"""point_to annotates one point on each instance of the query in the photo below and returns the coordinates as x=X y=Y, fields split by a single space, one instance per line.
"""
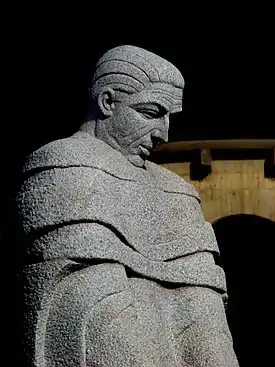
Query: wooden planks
x=233 y=187
x=202 y=153
x=179 y=146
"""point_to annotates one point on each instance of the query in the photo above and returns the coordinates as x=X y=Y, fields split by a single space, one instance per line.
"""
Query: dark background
x=228 y=74
x=228 y=70
x=227 y=66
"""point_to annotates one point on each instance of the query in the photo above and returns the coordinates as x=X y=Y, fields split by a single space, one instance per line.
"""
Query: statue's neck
x=88 y=127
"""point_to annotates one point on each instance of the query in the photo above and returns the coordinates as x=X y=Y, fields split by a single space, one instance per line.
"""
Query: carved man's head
x=135 y=91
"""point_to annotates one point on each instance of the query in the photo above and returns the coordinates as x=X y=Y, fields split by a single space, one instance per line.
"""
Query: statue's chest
x=147 y=216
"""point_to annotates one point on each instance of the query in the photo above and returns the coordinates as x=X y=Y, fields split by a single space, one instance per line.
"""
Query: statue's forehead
x=168 y=96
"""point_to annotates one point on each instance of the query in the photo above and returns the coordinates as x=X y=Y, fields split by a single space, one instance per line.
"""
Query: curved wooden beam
x=178 y=146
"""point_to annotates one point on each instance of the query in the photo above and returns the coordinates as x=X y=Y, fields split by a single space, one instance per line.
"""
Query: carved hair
x=131 y=69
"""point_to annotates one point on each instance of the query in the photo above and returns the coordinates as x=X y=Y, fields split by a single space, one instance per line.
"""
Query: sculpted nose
x=161 y=132
x=165 y=128
x=161 y=135
x=164 y=135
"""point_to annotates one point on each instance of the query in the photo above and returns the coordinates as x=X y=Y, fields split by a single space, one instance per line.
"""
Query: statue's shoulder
x=72 y=151
x=171 y=182
x=82 y=150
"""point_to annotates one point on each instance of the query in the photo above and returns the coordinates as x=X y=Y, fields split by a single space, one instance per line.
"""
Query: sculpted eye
x=149 y=113
x=152 y=111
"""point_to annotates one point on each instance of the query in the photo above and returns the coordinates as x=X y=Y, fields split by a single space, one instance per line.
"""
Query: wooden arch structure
x=232 y=176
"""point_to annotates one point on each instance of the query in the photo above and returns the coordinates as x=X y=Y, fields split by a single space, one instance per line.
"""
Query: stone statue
x=119 y=259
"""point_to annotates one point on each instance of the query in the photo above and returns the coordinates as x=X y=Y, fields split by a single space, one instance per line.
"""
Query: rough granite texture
x=120 y=268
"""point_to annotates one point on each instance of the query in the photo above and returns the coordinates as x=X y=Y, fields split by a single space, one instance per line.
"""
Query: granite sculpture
x=120 y=268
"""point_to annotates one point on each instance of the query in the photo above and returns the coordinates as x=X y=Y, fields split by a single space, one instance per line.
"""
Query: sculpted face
x=136 y=123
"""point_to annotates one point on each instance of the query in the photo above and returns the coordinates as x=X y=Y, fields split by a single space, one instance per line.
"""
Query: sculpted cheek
x=135 y=127
x=127 y=122
x=139 y=135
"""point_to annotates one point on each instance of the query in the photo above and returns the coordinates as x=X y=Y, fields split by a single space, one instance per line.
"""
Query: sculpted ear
x=105 y=101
